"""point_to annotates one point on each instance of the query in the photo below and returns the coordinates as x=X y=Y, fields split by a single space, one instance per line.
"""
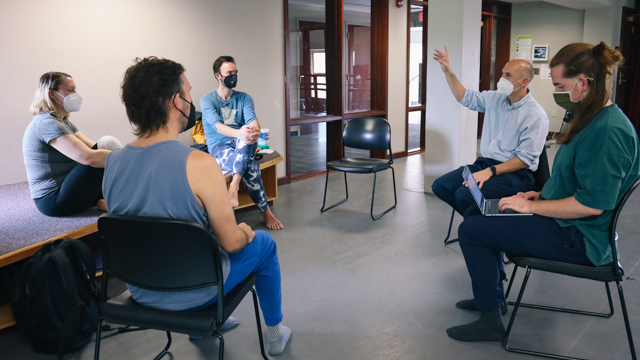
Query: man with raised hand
x=513 y=136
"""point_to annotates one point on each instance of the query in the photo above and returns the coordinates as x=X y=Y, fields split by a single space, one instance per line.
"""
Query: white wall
x=95 y=41
x=547 y=24
x=397 y=76
x=451 y=129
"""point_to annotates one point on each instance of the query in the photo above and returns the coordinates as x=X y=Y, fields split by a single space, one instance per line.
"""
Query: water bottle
x=263 y=141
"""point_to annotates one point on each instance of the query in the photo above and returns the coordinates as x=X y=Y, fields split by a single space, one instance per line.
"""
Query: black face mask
x=191 y=119
x=231 y=81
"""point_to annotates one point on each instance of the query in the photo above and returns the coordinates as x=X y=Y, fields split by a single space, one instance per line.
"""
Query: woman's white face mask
x=71 y=102
x=505 y=87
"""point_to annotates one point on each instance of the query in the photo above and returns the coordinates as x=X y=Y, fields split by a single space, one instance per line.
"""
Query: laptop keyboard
x=492 y=207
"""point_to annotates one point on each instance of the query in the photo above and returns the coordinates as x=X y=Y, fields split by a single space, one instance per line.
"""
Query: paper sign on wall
x=545 y=72
x=523 y=47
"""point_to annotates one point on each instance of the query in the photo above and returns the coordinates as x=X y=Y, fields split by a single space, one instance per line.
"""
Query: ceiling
x=574 y=4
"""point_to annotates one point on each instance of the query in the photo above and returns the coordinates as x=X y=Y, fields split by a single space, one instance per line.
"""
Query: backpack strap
x=88 y=263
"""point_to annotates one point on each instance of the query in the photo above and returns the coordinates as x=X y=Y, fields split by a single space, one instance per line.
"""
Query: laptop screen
x=473 y=186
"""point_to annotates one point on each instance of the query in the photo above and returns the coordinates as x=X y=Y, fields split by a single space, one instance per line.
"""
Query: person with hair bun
x=64 y=167
x=595 y=165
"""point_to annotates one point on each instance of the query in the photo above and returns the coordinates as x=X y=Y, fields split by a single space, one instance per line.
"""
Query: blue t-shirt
x=46 y=167
x=235 y=112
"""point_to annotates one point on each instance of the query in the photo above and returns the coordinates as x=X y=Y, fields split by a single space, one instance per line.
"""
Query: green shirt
x=597 y=167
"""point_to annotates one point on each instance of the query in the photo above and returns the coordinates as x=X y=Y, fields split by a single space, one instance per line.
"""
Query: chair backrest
x=542 y=174
x=369 y=133
x=160 y=254
x=613 y=237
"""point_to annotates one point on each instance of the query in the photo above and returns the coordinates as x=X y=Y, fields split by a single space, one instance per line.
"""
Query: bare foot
x=271 y=221
x=233 y=195
x=102 y=205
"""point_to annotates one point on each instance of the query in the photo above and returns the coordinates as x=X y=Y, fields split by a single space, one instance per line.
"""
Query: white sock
x=278 y=336
x=274 y=332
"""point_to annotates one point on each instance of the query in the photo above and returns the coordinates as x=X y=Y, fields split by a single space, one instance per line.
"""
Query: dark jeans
x=483 y=239
x=449 y=186
x=81 y=189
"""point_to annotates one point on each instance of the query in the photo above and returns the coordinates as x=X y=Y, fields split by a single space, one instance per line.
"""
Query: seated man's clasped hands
x=595 y=165
x=157 y=175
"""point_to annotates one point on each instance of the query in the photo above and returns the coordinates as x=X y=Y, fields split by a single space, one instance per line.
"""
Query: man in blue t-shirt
x=232 y=130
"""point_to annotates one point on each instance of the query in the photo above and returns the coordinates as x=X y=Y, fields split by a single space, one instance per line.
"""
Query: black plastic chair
x=606 y=273
x=368 y=133
x=540 y=177
x=166 y=255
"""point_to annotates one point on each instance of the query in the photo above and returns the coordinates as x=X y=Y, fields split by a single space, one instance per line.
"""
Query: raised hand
x=443 y=59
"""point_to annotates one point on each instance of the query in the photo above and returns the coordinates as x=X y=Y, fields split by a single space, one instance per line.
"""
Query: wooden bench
x=23 y=230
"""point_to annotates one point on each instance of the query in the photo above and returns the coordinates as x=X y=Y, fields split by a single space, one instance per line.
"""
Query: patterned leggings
x=237 y=157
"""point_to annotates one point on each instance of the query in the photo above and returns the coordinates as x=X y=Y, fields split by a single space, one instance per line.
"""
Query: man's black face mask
x=230 y=81
x=191 y=119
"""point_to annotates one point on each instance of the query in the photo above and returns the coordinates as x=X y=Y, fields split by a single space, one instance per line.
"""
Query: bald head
x=519 y=68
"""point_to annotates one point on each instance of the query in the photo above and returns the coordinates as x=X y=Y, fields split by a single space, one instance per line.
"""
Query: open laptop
x=487 y=207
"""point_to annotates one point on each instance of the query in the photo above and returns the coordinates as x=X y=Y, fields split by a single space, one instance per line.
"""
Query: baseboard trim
x=285 y=180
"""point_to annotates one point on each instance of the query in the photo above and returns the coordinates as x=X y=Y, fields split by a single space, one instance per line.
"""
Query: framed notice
x=540 y=52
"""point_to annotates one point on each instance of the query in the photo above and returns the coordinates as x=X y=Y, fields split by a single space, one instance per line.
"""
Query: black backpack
x=54 y=297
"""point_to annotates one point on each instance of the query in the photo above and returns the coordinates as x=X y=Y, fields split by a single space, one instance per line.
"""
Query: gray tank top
x=152 y=181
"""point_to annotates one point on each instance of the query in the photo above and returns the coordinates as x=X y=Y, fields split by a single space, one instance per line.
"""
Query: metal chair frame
x=194 y=230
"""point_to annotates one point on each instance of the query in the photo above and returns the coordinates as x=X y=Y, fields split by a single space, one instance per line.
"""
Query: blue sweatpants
x=260 y=257
x=237 y=157
x=449 y=188
x=483 y=239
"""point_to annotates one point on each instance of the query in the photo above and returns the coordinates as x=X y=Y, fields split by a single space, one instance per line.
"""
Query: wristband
x=493 y=170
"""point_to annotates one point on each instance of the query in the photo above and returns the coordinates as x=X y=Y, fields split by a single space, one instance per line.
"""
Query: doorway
x=417 y=58
x=628 y=77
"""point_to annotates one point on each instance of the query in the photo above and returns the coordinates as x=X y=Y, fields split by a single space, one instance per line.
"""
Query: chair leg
x=96 y=354
x=373 y=195
x=166 y=348
x=255 y=307
x=519 y=303
x=446 y=240
x=606 y=285
x=570 y=311
x=346 y=190
x=221 y=347
x=626 y=321
x=513 y=276
x=514 y=312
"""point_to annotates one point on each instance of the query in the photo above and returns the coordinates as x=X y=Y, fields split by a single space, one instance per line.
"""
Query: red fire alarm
x=399 y=3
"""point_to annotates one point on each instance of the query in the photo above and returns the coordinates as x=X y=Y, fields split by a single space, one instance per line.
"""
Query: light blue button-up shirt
x=509 y=130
